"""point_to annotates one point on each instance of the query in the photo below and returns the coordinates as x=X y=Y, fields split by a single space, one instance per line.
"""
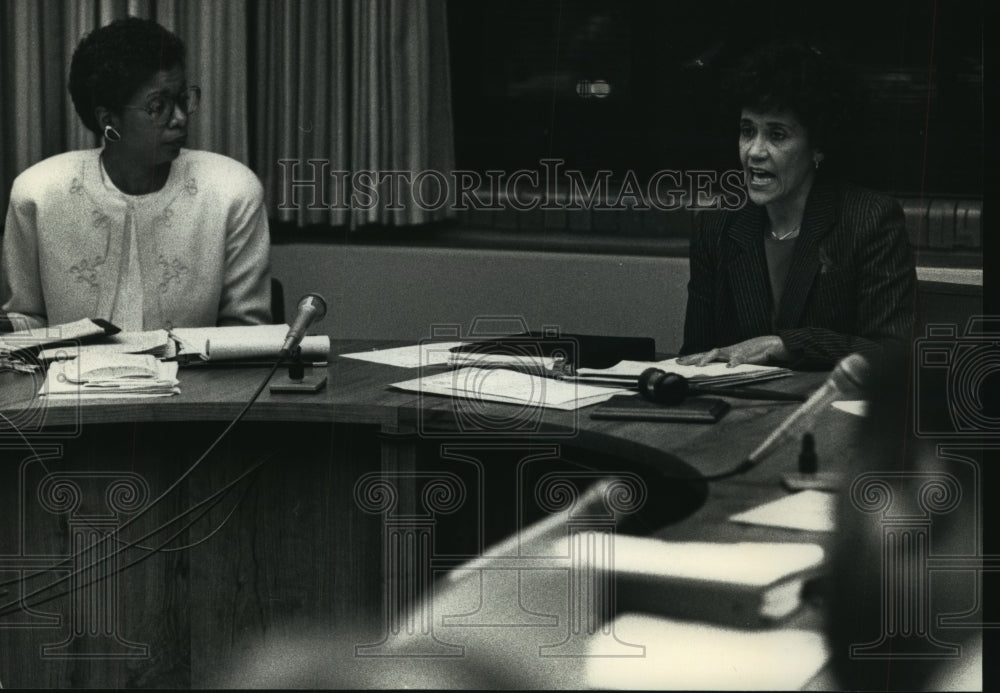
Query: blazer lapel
x=746 y=271
x=817 y=220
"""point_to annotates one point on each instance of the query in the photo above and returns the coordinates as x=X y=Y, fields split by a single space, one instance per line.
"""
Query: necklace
x=794 y=232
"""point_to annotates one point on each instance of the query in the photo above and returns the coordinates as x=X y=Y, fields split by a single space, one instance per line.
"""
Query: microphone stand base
x=309 y=383
x=820 y=481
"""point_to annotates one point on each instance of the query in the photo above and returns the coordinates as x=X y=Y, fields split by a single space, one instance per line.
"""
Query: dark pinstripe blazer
x=851 y=286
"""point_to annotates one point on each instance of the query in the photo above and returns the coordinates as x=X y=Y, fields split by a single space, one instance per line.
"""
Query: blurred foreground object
x=906 y=603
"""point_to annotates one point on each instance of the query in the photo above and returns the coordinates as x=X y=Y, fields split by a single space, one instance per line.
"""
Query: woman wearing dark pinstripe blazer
x=812 y=268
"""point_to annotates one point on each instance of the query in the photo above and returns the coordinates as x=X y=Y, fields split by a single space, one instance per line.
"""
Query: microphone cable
x=853 y=370
x=211 y=502
x=112 y=535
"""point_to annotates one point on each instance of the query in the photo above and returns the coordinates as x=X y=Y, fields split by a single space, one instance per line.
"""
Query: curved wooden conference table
x=358 y=393
x=288 y=550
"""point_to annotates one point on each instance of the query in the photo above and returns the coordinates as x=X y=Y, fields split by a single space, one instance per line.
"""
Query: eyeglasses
x=161 y=107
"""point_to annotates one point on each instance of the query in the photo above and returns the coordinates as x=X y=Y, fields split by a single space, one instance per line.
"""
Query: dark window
x=634 y=86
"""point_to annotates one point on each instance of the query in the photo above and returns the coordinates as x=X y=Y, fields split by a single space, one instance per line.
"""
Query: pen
x=560 y=369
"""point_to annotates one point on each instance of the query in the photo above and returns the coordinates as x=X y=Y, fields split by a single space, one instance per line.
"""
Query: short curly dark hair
x=113 y=62
x=823 y=92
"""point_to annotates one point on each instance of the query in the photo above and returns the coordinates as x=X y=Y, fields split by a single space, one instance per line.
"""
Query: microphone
x=852 y=371
x=657 y=385
x=311 y=308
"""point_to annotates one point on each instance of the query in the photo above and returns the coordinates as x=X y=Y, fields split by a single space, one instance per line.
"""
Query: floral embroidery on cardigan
x=163 y=218
x=86 y=270
x=99 y=219
x=173 y=271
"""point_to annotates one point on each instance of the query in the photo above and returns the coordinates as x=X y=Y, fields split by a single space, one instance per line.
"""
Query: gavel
x=660 y=386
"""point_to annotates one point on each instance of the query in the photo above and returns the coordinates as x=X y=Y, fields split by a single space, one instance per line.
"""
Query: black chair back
x=277 y=302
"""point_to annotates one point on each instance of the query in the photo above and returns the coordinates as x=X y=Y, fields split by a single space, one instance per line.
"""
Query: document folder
x=580 y=350
x=635 y=408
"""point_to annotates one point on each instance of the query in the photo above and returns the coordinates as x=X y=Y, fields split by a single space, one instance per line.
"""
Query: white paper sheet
x=511 y=387
x=425 y=354
x=684 y=655
x=858 y=407
x=739 y=563
x=808 y=510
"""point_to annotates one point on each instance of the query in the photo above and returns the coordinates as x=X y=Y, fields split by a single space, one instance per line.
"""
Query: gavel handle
x=747 y=393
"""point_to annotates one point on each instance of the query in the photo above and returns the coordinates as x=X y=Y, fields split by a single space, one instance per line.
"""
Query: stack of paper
x=111 y=375
x=155 y=342
x=717 y=373
x=681 y=655
x=741 y=584
x=521 y=362
x=512 y=387
x=83 y=329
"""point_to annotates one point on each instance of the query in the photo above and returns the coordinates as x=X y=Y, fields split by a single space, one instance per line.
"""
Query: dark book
x=636 y=408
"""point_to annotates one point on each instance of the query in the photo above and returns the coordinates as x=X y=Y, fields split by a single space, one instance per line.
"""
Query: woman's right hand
x=757 y=350
x=702 y=359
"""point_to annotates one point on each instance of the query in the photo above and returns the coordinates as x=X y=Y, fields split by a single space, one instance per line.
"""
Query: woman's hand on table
x=760 y=350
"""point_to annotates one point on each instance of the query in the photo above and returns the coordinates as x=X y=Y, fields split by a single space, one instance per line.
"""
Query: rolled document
x=246 y=342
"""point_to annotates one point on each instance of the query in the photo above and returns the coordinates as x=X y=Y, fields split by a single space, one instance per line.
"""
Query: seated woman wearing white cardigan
x=141 y=232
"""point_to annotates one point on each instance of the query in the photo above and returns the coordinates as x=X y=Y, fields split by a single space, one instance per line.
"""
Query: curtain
x=401 y=105
x=39 y=39
x=314 y=95
x=346 y=94
x=32 y=65
x=214 y=34
x=299 y=97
